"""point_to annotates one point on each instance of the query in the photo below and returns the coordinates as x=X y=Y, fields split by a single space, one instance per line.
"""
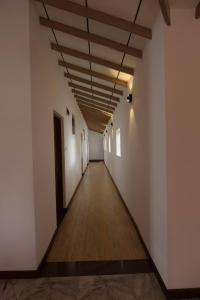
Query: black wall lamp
x=129 y=98
x=67 y=111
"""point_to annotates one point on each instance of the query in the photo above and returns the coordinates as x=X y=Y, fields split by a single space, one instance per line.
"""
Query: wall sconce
x=111 y=124
x=129 y=98
x=67 y=111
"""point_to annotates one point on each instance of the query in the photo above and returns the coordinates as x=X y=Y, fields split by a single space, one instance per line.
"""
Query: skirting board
x=169 y=293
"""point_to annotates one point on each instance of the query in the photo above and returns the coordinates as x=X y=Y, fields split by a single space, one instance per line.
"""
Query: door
x=82 y=153
x=58 y=167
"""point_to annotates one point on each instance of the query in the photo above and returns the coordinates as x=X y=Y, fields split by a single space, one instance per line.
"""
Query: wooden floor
x=97 y=226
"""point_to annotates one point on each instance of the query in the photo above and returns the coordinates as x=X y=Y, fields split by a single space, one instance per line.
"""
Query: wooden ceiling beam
x=95 y=125
x=93 y=73
x=102 y=101
x=80 y=102
x=94 y=59
x=94 y=121
x=92 y=83
x=165 y=9
x=99 y=16
x=197 y=11
x=83 y=88
x=88 y=117
x=91 y=117
x=97 y=114
x=107 y=107
x=91 y=37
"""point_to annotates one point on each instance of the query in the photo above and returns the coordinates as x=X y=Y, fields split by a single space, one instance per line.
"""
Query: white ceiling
x=125 y=9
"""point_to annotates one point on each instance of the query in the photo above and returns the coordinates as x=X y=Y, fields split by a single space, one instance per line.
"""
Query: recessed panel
x=106 y=53
x=72 y=42
x=109 y=32
x=125 y=9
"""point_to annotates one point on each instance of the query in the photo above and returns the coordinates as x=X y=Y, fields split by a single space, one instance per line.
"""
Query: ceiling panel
x=124 y=76
x=101 y=81
x=72 y=42
x=148 y=12
x=65 y=17
x=137 y=42
x=125 y=9
x=104 y=70
x=109 y=32
x=85 y=76
x=76 y=61
x=130 y=61
x=106 y=53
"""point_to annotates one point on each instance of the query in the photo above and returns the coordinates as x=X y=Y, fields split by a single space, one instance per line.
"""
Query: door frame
x=61 y=119
x=82 y=159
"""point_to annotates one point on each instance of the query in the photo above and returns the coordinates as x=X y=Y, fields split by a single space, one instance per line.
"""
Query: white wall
x=95 y=140
x=50 y=93
x=159 y=170
x=140 y=171
x=183 y=148
x=32 y=88
x=17 y=232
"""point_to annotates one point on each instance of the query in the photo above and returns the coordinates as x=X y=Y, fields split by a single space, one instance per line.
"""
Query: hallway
x=96 y=226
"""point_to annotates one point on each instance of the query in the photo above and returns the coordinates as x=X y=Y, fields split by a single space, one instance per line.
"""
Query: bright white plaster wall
x=95 y=140
x=17 y=232
x=158 y=173
x=183 y=148
x=140 y=172
x=32 y=86
x=50 y=93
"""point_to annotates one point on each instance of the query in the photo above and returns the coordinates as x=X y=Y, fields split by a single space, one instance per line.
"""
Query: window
x=73 y=125
x=109 y=144
x=118 y=142
x=105 y=144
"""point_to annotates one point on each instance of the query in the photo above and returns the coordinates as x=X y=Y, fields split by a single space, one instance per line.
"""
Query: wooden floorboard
x=97 y=226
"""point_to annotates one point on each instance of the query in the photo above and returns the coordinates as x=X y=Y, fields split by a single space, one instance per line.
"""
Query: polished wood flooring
x=96 y=226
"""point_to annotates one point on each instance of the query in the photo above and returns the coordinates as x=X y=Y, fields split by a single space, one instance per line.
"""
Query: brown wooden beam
x=92 y=83
x=93 y=73
x=94 y=59
x=165 y=9
x=93 y=124
x=95 y=103
x=197 y=11
x=91 y=37
x=81 y=94
x=99 y=16
x=80 y=87
x=94 y=106
x=92 y=115
x=98 y=114
x=89 y=119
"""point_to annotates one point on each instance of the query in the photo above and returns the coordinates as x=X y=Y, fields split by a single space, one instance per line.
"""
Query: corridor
x=97 y=226
x=99 y=155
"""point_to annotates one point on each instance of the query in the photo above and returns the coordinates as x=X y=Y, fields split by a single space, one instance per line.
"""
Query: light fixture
x=111 y=124
x=67 y=111
x=129 y=98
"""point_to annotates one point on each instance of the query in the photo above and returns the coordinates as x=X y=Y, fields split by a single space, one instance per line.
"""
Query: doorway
x=82 y=143
x=58 y=146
